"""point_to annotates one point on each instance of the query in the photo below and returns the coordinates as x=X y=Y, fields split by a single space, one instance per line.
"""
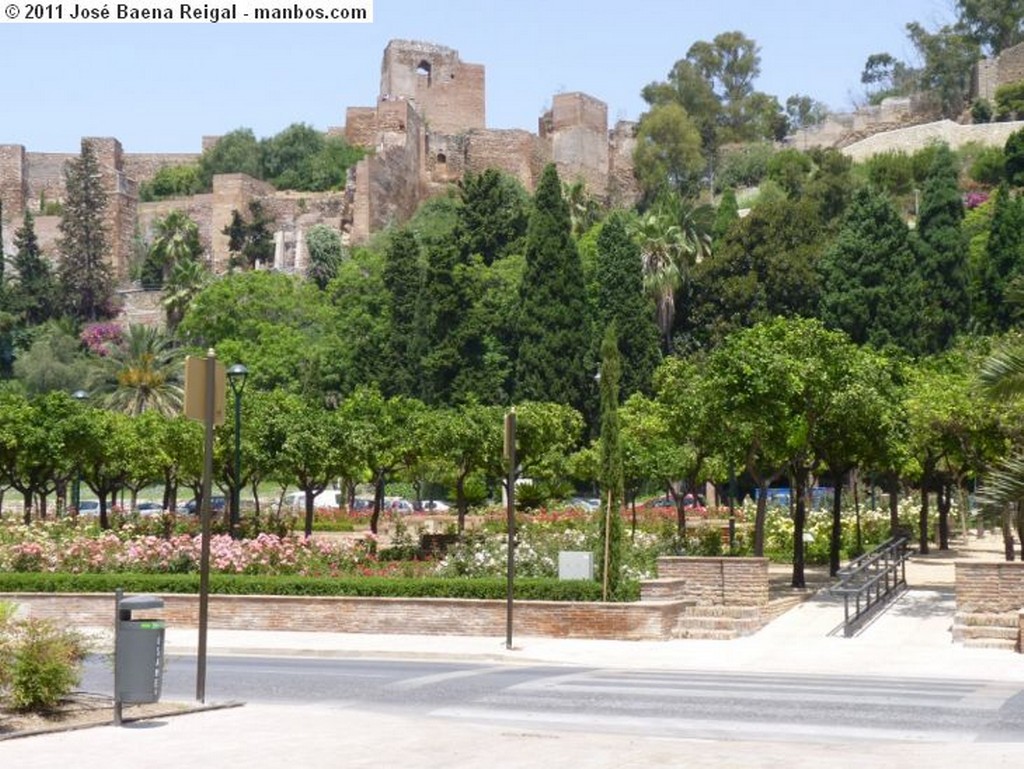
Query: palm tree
x=175 y=241
x=186 y=280
x=663 y=253
x=144 y=373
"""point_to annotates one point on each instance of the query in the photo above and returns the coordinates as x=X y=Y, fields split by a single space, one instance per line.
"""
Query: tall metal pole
x=236 y=488
x=510 y=459
x=204 y=557
x=76 y=486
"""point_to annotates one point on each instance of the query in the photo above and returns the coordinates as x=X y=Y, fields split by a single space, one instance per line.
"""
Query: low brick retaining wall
x=719 y=581
x=644 y=621
x=696 y=597
x=989 y=598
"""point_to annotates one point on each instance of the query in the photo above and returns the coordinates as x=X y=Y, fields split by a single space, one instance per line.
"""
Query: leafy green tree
x=611 y=472
x=886 y=76
x=942 y=256
x=85 y=281
x=766 y=266
x=236 y=152
x=176 y=181
x=804 y=112
x=868 y=276
x=948 y=58
x=102 y=446
x=323 y=244
x=464 y=440
x=492 y=218
x=251 y=242
x=552 y=328
x=995 y=25
x=32 y=288
x=621 y=300
x=790 y=168
x=354 y=300
x=726 y=215
x=1013 y=154
x=282 y=155
x=831 y=184
x=53 y=361
x=667 y=157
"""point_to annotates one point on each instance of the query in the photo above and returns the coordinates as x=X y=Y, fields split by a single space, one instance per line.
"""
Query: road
x=675 y=704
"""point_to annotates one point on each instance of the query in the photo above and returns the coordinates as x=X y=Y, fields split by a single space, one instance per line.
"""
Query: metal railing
x=871 y=580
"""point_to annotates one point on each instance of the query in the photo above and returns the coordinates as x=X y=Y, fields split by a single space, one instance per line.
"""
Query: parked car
x=690 y=502
x=435 y=506
x=398 y=505
x=146 y=507
x=587 y=504
x=327 y=499
x=89 y=507
x=217 y=505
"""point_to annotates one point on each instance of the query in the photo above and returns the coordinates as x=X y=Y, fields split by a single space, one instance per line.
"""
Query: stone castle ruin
x=425 y=132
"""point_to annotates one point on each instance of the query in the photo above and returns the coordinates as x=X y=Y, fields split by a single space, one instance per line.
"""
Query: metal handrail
x=870 y=580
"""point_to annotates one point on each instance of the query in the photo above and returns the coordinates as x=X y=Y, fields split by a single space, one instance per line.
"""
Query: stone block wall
x=917 y=137
x=720 y=581
x=46 y=177
x=361 y=126
x=142 y=167
x=231 y=192
x=516 y=152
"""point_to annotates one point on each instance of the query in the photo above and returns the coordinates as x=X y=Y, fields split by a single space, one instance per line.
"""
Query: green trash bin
x=138 y=652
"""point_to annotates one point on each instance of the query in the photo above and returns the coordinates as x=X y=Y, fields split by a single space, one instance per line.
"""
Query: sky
x=162 y=87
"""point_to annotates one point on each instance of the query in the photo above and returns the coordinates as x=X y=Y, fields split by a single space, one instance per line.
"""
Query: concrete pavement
x=911 y=638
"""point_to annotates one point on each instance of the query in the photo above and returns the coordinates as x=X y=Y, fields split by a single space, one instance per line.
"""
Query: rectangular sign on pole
x=195 y=389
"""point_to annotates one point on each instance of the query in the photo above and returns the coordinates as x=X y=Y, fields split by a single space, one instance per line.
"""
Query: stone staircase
x=719 y=623
x=999 y=630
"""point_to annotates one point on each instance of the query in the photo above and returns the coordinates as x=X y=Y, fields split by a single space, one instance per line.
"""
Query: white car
x=436 y=506
x=328 y=499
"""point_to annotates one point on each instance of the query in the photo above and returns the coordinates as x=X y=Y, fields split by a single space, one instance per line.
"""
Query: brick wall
x=989 y=587
x=516 y=152
x=424 y=616
x=720 y=581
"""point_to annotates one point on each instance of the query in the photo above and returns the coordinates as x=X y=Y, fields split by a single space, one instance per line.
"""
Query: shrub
x=981 y=111
x=40 y=662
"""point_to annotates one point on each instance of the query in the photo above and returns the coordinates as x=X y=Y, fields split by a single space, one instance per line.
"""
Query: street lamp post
x=236 y=376
x=76 y=486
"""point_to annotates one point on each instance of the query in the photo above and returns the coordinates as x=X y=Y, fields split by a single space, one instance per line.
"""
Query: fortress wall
x=579 y=140
x=447 y=92
x=46 y=176
x=13 y=182
x=361 y=126
x=916 y=137
x=623 y=190
x=142 y=167
x=231 y=192
x=513 y=151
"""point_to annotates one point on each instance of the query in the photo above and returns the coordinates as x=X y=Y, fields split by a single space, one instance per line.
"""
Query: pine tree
x=33 y=288
x=403 y=280
x=86 y=284
x=869 y=285
x=622 y=300
x=942 y=255
x=552 y=327
x=610 y=525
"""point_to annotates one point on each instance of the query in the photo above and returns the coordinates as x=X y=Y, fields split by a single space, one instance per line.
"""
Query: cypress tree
x=444 y=307
x=85 y=280
x=623 y=301
x=403 y=281
x=1002 y=262
x=869 y=285
x=33 y=290
x=552 y=327
x=610 y=525
x=493 y=216
x=942 y=255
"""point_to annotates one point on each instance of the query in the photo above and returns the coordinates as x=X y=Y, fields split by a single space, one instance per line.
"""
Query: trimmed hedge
x=532 y=589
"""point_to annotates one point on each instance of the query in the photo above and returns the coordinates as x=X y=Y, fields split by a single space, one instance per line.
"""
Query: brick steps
x=719 y=622
x=998 y=630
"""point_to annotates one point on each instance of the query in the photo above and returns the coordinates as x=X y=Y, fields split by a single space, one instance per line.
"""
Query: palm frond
x=1002 y=373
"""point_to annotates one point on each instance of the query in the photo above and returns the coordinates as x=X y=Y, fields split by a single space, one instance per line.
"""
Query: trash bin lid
x=136 y=602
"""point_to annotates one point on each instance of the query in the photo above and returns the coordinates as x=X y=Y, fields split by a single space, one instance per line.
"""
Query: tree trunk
x=799 y=521
x=378 y=503
x=460 y=503
x=759 y=518
x=27 y=507
x=1020 y=529
x=923 y=520
x=1008 y=533
x=836 y=540
x=894 y=506
x=308 y=500
x=944 y=501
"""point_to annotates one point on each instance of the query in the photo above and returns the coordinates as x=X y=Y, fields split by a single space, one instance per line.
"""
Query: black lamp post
x=236 y=376
x=76 y=486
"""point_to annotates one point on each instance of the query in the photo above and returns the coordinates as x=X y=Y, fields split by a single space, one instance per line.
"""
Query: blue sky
x=161 y=87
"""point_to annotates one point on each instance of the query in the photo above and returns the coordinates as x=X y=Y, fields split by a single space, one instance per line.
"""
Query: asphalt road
x=676 y=704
